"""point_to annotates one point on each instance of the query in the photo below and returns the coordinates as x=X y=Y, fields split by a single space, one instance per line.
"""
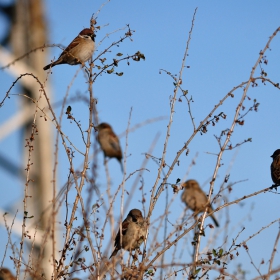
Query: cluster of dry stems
x=89 y=236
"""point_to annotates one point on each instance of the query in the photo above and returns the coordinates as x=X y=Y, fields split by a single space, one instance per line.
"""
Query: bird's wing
x=201 y=196
x=276 y=167
x=124 y=230
x=114 y=142
x=71 y=46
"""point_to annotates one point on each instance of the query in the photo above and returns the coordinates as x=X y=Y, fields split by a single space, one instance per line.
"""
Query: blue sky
x=225 y=44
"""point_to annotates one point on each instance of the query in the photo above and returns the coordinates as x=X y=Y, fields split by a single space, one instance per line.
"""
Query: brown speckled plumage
x=195 y=199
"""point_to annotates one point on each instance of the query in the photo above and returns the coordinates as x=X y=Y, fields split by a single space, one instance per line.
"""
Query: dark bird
x=195 y=199
x=133 y=232
x=275 y=167
x=6 y=274
x=109 y=142
x=79 y=50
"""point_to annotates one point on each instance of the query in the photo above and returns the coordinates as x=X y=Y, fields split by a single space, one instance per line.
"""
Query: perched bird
x=109 y=142
x=79 y=51
x=196 y=199
x=133 y=232
x=275 y=167
x=6 y=274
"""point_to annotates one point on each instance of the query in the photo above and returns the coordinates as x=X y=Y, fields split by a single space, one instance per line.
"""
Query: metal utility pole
x=29 y=30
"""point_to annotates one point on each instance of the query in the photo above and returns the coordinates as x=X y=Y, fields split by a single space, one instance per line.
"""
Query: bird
x=275 y=167
x=194 y=198
x=6 y=274
x=78 y=51
x=109 y=142
x=133 y=232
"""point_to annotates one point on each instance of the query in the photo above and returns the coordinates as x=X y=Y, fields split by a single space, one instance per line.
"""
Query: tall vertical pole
x=30 y=31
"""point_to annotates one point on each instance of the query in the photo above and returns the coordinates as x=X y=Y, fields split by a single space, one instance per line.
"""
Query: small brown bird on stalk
x=6 y=274
x=78 y=51
x=109 y=142
x=195 y=199
x=275 y=167
x=133 y=232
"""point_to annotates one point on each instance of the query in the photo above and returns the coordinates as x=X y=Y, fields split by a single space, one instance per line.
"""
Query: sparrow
x=133 y=232
x=5 y=274
x=79 y=51
x=195 y=199
x=109 y=142
x=275 y=167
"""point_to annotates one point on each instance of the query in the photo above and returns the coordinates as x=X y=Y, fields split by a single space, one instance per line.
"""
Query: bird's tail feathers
x=47 y=66
x=114 y=253
x=121 y=164
x=215 y=220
